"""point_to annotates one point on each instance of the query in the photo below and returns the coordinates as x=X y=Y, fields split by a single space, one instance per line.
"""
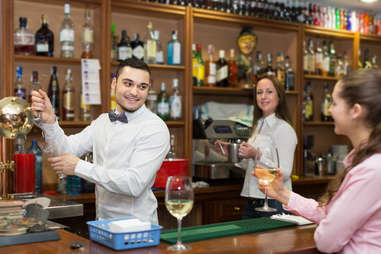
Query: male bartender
x=128 y=146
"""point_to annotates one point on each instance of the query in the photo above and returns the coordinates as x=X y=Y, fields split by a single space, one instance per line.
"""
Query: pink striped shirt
x=351 y=222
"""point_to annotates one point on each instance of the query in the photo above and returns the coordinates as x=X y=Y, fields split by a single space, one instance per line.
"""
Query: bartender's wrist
x=284 y=196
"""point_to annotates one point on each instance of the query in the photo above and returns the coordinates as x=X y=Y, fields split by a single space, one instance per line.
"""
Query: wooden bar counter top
x=297 y=240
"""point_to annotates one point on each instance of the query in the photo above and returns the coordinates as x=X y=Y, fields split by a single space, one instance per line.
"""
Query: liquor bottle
x=23 y=39
x=19 y=90
x=137 y=48
x=305 y=58
x=222 y=70
x=114 y=43
x=280 y=70
x=325 y=104
x=374 y=62
x=347 y=67
x=151 y=101
x=289 y=83
x=194 y=65
x=159 y=48
x=68 y=94
x=269 y=68
x=54 y=92
x=44 y=39
x=319 y=59
x=35 y=149
x=175 y=102
x=112 y=95
x=171 y=154
x=308 y=109
x=149 y=46
x=199 y=67
x=311 y=57
x=233 y=70
x=325 y=68
x=85 y=110
x=163 y=103
x=124 y=49
x=340 y=66
x=259 y=67
x=67 y=34
x=87 y=37
x=366 y=64
x=34 y=85
x=332 y=60
x=174 y=50
x=210 y=70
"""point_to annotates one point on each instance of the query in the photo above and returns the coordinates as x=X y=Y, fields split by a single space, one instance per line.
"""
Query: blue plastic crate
x=99 y=232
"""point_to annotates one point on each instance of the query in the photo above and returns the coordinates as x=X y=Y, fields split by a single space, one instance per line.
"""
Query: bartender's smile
x=267 y=96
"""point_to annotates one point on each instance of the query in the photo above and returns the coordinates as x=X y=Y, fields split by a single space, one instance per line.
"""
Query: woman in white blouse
x=271 y=125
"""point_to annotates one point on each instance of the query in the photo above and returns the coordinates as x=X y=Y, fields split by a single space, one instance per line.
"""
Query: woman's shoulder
x=284 y=126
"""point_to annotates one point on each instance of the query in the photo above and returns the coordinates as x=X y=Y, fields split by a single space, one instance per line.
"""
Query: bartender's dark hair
x=281 y=110
x=361 y=87
x=134 y=63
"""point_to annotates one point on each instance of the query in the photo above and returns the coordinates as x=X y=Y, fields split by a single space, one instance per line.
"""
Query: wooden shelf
x=319 y=77
x=47 y=59
x=82 y=3
x=318 y=123
x=222 y=91
x=331 y=33
x=175 y=123
x=159 y=66
x=370 y=38
x=312 y=180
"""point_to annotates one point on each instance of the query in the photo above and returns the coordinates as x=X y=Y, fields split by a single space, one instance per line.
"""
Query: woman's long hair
x=362 y=87
x=281 y=110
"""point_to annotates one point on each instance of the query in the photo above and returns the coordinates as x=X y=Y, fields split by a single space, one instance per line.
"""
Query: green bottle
x=163 y=103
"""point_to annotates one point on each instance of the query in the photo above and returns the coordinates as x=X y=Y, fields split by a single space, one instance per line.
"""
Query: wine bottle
x=44 y=39
x=222 y=70
x=163 y=103
x=53 y=92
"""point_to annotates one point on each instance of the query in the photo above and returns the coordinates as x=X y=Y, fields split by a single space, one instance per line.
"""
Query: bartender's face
x=267 y=97
x=131 y=89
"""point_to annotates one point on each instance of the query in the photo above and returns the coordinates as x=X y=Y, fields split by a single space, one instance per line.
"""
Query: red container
x=175 y=167
x=24 y=172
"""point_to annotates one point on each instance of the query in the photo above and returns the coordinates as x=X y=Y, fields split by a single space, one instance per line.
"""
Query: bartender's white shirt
x=126 y=159
x=284 y=138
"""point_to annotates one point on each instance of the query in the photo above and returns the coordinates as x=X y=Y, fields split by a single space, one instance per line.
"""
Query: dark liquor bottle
x=68 y=106
x=308 y=108
x=124 y=50
x=44 y=39
x=289 y=83
x=23 y=39
x=19 y=90
x=326 y=103
x=137 y=48
x=54 y=92
x=34 y=85
x=233 y=69
x=222 y=70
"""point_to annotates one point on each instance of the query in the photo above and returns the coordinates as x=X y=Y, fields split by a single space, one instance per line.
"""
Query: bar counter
x=297 y=240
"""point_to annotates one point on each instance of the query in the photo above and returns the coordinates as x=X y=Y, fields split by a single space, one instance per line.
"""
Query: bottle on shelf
x=54 y=92
x=152 y=100
x=259 y=67
x=68 y=96
x=346 y=64
x=175 y=102
x=35 y=149
x=171 y=154
x=159 y=48
x=210 y=70
x=124 y=49
x=112 y=95
x=114 y=43
x=67 y=34
x=367 y=63
x=311 y=58
x=374 y=62
x=305 y=58
x=34 y=85
x=233 y=70
x=332 y=60
x=174 y=50
x=325 y=68
x=339 y=66
x=280 y=68
x=269 y=68
x=163 y=103
x=319 y=59
x=150 y=48
x=222 y=70
x=308 y=107
x=23 y=39
x=137 y=48
x=325 y=104
x=198 y=67
x=19 y=88
x=87 y=37
x=289 y=81
x=44 y=39
x=85 y=111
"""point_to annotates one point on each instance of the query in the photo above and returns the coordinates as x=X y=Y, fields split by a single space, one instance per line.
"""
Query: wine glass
x=179 y=202
x=266 y=163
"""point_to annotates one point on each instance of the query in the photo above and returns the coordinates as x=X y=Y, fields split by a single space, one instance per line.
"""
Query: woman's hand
x=41 y=104
x=221 y=147
x=276 y=188
x=247 y=151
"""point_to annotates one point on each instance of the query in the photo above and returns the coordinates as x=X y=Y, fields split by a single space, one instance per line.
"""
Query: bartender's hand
x=246 y=151
x=64 y=163
x=41 y=103
x=276 y=188
x=221 y=147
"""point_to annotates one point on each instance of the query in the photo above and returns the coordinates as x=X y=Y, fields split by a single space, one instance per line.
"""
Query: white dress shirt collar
x=270 y=120
x=132 y=115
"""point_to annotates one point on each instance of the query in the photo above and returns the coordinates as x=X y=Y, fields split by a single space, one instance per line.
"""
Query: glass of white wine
x=266 y=163
x=179 y=202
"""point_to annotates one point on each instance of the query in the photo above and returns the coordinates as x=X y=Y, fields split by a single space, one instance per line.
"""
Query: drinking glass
x=266 y=163
x=179 y=202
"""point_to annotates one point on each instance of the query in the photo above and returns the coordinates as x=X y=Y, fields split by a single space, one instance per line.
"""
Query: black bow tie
x=117 y=117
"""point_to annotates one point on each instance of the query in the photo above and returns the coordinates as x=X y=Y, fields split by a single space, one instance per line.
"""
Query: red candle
x=24 y=172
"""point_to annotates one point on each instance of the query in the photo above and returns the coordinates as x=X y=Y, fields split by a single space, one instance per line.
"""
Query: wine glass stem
x=179 y=232
x=266 y=201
